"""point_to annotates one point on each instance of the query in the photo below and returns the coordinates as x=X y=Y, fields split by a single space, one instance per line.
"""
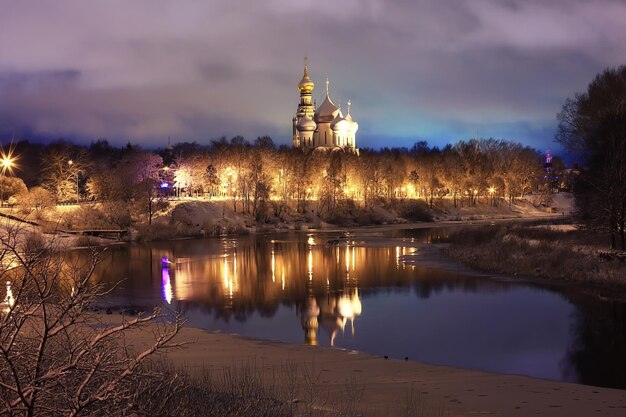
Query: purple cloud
x=146 y=70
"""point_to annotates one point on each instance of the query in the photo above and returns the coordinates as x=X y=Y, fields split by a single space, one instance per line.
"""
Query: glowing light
x=9 y=301
x=166 y=285
x=311 y=241
x=225 y=274
x=349 y=307
x=282 y=278
x=310 y=265
x=273 y=266
x=7 y=161
x=398 y=256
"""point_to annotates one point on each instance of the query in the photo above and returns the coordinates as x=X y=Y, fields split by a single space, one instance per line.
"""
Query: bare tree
x=56 y=358
x=593 y=124
x=37 y=200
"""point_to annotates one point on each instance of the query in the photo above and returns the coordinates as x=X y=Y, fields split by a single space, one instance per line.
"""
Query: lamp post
x=71 y=163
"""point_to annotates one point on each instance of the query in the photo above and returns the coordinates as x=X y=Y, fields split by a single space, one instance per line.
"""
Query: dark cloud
x=146 y=70
x=39 y=80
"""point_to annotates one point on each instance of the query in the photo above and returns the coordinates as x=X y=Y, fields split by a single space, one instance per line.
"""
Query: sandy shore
x=460 y=392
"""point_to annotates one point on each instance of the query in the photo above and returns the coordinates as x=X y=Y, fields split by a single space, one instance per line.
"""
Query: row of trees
x=261 y=178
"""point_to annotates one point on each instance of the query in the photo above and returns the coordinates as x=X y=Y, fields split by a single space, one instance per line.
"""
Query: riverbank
x=382 y=385
x=553 y=253
x=204 y=218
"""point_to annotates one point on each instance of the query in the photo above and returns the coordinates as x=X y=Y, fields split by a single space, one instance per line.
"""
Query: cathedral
x=325 y=127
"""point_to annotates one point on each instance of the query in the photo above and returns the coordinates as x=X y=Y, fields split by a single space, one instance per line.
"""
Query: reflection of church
x=332 y=314
x=325 y=127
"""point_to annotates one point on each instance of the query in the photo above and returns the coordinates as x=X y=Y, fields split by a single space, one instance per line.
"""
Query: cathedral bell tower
x=303 y=125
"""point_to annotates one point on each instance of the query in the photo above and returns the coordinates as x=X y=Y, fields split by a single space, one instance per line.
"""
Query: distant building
x=325 y=127
x=548 y=163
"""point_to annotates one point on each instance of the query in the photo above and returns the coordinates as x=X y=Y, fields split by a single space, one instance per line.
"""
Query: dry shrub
x=156 y=231
x=56 y=358
x=248 y=390
x=109 y=215
x=415 y=211
x=530 y=251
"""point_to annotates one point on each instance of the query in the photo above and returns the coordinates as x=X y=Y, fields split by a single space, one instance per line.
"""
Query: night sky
x=440 y=71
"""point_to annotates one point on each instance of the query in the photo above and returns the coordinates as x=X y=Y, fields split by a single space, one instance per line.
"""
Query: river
x=379 y=293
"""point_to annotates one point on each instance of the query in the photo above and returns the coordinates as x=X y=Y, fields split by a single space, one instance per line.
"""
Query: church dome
x=351 y=124
x=326 y=112
x=339 y=124
x=306 y=124
x=306 y=85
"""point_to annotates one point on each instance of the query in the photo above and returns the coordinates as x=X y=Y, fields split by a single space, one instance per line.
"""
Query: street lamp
x=7 y=165
x=71 y=163
x=492 y=190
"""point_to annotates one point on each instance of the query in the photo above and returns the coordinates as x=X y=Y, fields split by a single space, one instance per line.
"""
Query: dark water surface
x=377 y=293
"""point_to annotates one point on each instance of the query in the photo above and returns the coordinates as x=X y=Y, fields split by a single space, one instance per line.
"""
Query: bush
x=156 y=231
x=109 y=215
x=534 y=251
x=415 y=211
x=57 y=358
x=37 y=200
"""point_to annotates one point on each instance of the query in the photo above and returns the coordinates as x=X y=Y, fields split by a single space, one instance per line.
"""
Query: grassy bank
x=554 y=252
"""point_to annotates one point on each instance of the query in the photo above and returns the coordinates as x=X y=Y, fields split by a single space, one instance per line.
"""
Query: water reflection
x=320 y=276
x=165 y=280
x=374 y=293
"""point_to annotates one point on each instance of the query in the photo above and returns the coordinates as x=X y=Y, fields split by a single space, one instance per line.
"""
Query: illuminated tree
x=11 y=187
x=211 y=180
x=63 y=163
x=454 y=174
x=36 y=200
x=331 y=186
x=260 y=189
x=371 y=178
x=301 y=168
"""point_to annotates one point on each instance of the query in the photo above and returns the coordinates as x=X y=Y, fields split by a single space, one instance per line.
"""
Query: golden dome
x=306 y=85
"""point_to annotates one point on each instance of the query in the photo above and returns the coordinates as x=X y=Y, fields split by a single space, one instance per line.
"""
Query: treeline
x=263 y=179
